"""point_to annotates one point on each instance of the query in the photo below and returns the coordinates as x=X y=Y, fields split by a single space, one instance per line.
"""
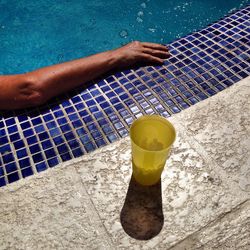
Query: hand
x=141 y=52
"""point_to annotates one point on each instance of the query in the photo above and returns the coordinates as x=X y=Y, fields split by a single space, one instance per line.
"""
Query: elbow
x=35 y=98
x=32 y=92
x=21 y=91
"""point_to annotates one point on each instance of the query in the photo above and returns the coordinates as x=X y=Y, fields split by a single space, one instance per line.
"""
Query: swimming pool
x=43 y=32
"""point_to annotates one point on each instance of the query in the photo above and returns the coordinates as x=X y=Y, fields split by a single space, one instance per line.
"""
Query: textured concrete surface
x=230 y=231
x=51 y=211
x=92 y=202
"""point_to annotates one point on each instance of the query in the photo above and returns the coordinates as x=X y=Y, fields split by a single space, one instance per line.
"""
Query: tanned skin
x=36 y=87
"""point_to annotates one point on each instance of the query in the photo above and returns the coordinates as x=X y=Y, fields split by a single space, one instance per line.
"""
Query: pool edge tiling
x=202 y=64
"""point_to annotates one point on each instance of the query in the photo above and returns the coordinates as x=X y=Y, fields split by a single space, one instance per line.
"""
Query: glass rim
x=157 y=117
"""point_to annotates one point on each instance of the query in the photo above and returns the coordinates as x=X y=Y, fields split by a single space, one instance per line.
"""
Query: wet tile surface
x=202 y=64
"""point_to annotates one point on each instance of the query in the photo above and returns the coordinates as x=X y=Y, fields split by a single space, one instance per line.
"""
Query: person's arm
x=36 y=87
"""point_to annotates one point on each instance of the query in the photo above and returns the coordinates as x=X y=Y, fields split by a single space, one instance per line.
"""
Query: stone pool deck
x=203 y=201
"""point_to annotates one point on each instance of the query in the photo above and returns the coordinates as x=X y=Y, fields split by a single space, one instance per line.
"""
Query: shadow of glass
x=141 y=216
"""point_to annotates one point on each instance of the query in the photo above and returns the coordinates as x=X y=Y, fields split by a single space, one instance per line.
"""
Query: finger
x=155 y=46
x=157 y=53
x=152 y=59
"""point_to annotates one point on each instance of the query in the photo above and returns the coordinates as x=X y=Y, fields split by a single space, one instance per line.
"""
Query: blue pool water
x=43 y=32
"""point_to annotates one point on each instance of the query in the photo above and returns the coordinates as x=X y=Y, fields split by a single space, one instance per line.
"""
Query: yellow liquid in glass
x=146 y=176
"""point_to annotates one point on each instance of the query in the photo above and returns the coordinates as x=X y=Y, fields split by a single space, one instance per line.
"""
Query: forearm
x=36 y=87
x=57 y=79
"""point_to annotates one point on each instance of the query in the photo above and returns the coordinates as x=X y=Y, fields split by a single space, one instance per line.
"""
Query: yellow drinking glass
x=151 y=138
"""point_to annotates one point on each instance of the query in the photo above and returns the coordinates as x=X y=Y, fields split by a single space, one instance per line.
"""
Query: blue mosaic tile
x=66 y=157
x=50 y=153
x=1 y=171
x=41 y=167
x=13 y=177
x=2 y=182
x=53 y=162
x=202 y=64
x=27 y=172
x=11 y=167
x=24 y=163
x=37 y=157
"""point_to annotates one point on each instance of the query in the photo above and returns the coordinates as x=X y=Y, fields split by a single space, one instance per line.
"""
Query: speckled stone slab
x=192 y=195
x=230 y=231
x=221 y=127
x=93 y=203
x=50 y=211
